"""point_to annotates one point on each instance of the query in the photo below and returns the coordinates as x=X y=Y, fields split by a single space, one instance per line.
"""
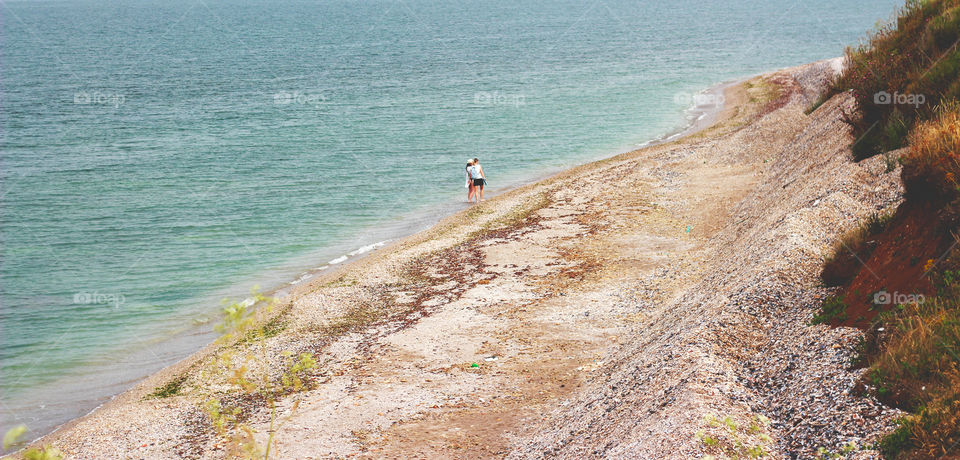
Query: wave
x=339 y=260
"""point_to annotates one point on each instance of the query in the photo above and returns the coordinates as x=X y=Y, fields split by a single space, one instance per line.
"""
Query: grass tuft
x=833 y=309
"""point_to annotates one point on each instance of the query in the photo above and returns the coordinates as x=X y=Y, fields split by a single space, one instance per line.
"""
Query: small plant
x=823 y=453
x=251 y=381
x=735 y=442
x=833 y=309
x=353 y=320
x=816 y=104
x=859 y=356
x=891 y=161
x=11 y=439
x=898 y=441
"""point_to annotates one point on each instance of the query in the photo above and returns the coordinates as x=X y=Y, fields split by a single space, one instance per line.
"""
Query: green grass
x=734 y=440
x=900 y=440
x=273 y=327
x=816 y=104
x=341 y=281
x=514 y=217
x=833 y=309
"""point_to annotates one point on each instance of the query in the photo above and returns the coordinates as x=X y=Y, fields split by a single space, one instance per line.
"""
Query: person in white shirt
x=479 y=178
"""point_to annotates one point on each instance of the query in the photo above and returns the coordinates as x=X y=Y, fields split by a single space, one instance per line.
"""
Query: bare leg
x=471 y=190
x=479 y=193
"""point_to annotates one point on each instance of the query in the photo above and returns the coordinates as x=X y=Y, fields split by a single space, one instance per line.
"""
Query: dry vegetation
x=914 y=55
x=912 y=350
x=933 y=164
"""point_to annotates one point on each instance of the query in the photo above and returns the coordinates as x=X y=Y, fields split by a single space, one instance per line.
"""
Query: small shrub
x=228 y=411
x=899 y=440
x=894 y=131
x=833 y=309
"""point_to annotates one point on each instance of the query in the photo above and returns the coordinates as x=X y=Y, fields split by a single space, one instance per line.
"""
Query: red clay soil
x=897 y=264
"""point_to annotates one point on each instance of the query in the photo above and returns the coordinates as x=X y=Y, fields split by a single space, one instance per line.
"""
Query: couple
x=475 y=180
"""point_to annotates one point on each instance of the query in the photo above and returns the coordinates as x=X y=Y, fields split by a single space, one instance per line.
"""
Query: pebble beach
x=633 y=307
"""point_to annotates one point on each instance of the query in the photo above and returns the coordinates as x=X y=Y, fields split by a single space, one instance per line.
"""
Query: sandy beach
x=610 y=311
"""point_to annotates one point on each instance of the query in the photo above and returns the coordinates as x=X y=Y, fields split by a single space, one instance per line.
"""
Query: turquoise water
x=159 y=156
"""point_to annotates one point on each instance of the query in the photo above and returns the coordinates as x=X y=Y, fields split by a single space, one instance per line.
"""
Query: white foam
x=338 y=260
x=368 y=248
x=301 y=279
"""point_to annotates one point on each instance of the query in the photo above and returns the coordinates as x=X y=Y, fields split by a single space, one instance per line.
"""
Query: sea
x=158 y=157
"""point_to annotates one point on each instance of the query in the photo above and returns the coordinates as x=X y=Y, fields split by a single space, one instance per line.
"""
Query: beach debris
x=474 y=365
x=490 y=358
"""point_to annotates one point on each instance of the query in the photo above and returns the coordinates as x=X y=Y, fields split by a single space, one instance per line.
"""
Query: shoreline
x=414 y=224
x=622 y=300
x=707 y=117
x=283 y=292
